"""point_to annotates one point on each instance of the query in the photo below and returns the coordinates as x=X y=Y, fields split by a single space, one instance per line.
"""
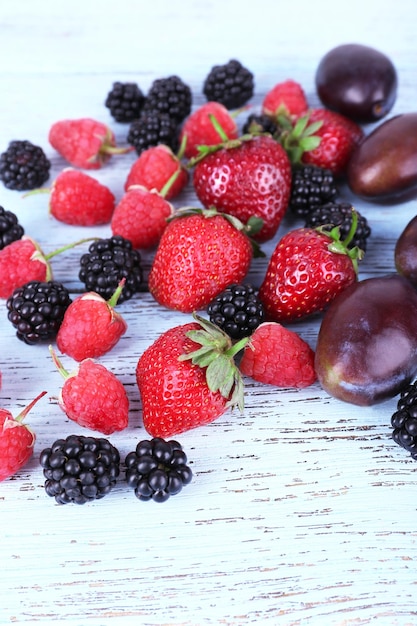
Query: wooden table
x=302 y=510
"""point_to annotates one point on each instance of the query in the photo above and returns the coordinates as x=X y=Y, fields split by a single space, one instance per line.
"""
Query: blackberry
x=404 y=420
x=310 y=186
x=231 y=84
x=237 y=310
x=157 y=469
x=125 y=101
x=80 y=469
x=10 y=229
x=340 y=214
x=36 y=310
x=24 y=166
x=153 y=128
x=170 y=96
x=106 y=263
x=259 y=123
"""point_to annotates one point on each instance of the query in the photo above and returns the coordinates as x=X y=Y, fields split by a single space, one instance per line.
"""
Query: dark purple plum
x=405 y=252
x=367 y=343
x=357 y=81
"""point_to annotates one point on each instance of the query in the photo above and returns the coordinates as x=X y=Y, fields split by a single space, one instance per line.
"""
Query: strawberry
x=200 y=252
x=308 y=268
x=93 y=396
x=84 y=142
x=278 y=356
x=188 y=378
x=141 y=216
x=285 y=98
x=246 y=178
x=91 y=327
x=198 y=129
x=154 y=168
x=16 y=440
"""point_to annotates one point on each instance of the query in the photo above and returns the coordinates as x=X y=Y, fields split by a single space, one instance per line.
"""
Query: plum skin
x=367 y=343
x=405 y=252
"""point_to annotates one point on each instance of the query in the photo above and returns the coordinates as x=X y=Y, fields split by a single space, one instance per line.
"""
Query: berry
x=200 y=253
x=125 y=101
x=157 y=469
x=278 y=356
x=93 y=397
x=340 y=214
x=16 y=440
x=310 y=186
x=169 y=96
x=91 y=327
x=24 y=166
x=10 y=228
x=199 y=130
x=259 y=123
x=36 y=310
x=237 y=310
x=187 y=378
x=84 y=142
x=151 y=129
x=106 y=263
x=154 y=169
x=231 y=84
x=80 y=469
x=285 y=98
x=404 y=420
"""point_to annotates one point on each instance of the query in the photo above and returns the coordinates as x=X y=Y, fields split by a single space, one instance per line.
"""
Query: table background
x=302 y=510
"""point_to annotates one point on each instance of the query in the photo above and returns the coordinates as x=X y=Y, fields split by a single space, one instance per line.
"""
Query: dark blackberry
x=24 y=166
x=237 y=310
x=170 y=96
x=404 y=420
x=80 y=469
x=340 y=214
x=231 y=84
x=310 y=186
x=259 y=123
x=10 y=229
x=106 y=263
x=125 y=101
x=151 y=129
x=36 y=310
x=157 y=469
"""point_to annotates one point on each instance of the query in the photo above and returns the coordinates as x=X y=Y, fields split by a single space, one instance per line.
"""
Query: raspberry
x=404 y=420
x=170 y=96
x=157 y=469
x=237 y=310
x=286 y=98
x=231 y=84
x=125 y=101
x=151 y=129
x=310 y=186
x=340 y=214
x=24 y=166
x=80 y=469
x=10 y=229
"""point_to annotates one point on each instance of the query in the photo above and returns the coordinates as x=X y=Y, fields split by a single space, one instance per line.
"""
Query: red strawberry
x=246 y=178
x=141 y=217
x=278 y=356
x=285 y=98
x=200 y=253
x=154 y=168
x=308 y=268
x=93 y=397
x=16 y=440
x=84 y=142
x=188 y=378
x=198 y=128
x=91 y=327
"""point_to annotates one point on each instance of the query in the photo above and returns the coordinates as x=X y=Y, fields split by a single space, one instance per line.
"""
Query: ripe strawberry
x=285 y=98
x=154 y=168
x=200 y=252
x=16 y=440
x=91 y=327
x=278 y=356
x=93 y=396
x=84 y=142
x=246 y=178
x=198 y=128
x=188 y=378
x=141 y=217
x=308 y=268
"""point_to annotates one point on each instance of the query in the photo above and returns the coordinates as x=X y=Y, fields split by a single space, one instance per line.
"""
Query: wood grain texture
x=302 y=509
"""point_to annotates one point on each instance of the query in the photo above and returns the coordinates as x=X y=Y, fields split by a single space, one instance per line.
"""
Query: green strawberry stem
x=26 y=410
x=171 y=180
x=115 y=297
x=342 y=246
x=181 y=149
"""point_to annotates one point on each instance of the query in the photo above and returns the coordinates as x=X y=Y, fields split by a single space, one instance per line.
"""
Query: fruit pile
x=287 y=160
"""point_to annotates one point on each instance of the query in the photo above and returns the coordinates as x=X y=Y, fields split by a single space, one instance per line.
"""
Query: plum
x=367 y=342
x=357 y=81
x=384 y=165
x=405 y=252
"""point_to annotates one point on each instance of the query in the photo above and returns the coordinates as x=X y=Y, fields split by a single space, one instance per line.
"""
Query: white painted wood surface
x=302 y=510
